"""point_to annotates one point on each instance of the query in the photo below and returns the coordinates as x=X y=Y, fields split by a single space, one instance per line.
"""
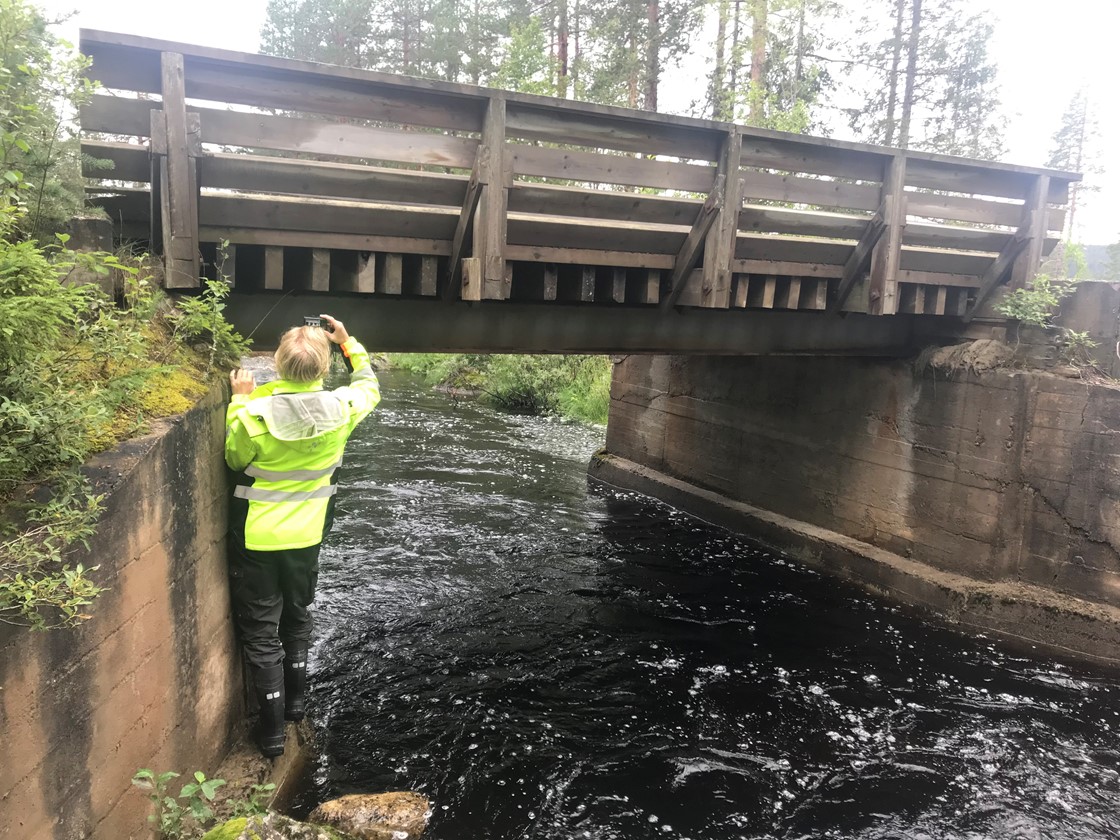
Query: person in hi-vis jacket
x=284 y=441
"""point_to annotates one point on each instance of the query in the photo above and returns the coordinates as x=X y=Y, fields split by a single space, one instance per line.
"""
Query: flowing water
x=549 y=659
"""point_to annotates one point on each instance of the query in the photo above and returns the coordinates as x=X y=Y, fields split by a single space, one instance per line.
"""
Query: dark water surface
x=548 y=659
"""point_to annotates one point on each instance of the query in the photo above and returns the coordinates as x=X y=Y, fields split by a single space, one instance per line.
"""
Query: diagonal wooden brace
x=860 y=258
x=997 y=272
x=464 y=228
x=689 y=254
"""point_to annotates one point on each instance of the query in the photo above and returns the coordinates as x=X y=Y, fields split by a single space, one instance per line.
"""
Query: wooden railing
x=328 y=178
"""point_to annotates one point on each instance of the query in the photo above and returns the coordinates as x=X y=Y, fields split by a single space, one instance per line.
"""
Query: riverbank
x=576 y=387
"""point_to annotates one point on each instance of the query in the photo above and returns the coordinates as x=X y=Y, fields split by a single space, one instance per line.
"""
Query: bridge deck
x=329 y=179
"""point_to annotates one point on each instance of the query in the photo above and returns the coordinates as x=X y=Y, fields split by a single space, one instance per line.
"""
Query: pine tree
x=781 y=58
x=1075 y=149
x=943 y=97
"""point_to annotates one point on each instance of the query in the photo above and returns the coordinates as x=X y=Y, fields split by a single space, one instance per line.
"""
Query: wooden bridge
x=446 y=216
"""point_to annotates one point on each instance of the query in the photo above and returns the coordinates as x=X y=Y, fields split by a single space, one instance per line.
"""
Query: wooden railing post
x=888 y=251
x=719 y=245
x=496 y=177
x=1035 y=221
x=178 y=177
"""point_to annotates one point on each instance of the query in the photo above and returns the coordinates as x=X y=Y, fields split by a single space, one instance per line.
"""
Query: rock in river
x=381 y=816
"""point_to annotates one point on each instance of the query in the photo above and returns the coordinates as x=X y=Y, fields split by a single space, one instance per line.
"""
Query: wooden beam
x=273 y=267
x=861 y=256
x=180 y=235
x=320 y=270
x=390 y=275
x=463 y=228
x=689 y=254
x=886 y=255
x=1035 y=216
x=719 y=244
x=490 y=231
x=1000 y=267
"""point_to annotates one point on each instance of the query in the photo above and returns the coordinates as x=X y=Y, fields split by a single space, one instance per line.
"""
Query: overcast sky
x=1045 y=52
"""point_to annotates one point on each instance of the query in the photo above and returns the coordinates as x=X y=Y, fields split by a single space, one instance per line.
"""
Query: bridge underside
x=454 y=217
x=416 y=325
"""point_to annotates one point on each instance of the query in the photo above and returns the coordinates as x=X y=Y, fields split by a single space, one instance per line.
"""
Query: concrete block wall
x=153 y=679
x=1013 y=476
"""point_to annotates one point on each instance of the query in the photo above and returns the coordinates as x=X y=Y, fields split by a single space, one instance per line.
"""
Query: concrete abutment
x=993 y=500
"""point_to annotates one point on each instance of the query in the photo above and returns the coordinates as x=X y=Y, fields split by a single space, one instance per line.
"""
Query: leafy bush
x=77 y=371
x=572 y=386
x=198 y=804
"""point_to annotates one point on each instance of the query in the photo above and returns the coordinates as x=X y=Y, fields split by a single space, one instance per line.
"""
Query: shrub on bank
x=571 y=386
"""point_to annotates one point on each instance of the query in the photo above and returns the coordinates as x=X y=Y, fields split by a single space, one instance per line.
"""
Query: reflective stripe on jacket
x=285 y=441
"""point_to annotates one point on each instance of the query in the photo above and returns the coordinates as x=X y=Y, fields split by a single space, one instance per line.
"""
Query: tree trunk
x=562 y=51
x=719 y=71
x=758 y=60
x=911 y=74
x=892 y=80
x=653 y=53
x=576 y=54
x=632 y=99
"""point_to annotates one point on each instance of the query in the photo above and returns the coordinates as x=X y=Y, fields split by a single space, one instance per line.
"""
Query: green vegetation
x=571 y=386
x=79 y=370
x=195 y=810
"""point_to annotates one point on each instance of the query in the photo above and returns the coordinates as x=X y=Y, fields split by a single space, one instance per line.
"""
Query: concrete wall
x=1012 y=477
x=153 y=679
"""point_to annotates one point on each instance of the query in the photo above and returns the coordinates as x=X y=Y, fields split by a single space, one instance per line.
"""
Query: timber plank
x=788 y=250
x=491 y=231
x=117 y=115
x=625 y=134
x=390 y=274
x=342 y=241
x=264 y=131
x=978 y=178
x=180 y=234
x=367 y=273
x=593 y=234
x=312 y=178
x=719 y=244
x=618 y=206
x=886 y=253
x=815 y=157
x=793 y=293
x=285 y=213
x=810 y=191
x=320 y=269
x=769 y=292
x=129 y=161
x=429 y=277
x=578 y=256
x=609 y=169
x=273 y=267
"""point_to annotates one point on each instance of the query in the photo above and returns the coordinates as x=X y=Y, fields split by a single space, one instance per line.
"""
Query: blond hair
x=304 y=354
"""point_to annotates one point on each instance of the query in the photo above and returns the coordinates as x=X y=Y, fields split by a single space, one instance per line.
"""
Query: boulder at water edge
x=272 y=827
x=380 y=816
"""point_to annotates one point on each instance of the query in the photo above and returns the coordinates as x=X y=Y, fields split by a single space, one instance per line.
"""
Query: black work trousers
x=271 y=593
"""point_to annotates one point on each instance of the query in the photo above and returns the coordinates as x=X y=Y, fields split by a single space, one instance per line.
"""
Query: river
x=549 y=659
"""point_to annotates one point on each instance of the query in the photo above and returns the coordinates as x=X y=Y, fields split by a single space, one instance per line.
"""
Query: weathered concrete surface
x=1010 y=479
x=153 y=679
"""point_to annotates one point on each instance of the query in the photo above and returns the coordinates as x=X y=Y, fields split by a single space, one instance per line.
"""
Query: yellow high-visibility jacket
x=285 y=442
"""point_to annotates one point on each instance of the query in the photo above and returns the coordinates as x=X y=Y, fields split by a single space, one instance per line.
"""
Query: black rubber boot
x=269 y=686
x=295 y=679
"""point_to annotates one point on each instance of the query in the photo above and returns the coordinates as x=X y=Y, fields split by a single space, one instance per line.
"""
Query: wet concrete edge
x=1022 y=614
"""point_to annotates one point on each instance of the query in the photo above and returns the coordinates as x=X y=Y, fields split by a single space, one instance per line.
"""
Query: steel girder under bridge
x=451 y=217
